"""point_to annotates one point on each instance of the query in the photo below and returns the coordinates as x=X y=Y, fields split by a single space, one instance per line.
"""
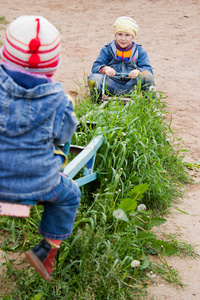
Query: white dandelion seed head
x=152 y=88
x=142 y=207
x=135 y=263
x=120 y=215
x=151 y=274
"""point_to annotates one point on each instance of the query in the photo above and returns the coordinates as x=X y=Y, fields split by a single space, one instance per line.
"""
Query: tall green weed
x=139 y=147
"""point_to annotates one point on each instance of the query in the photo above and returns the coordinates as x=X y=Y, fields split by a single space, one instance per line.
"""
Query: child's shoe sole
x=36 y=263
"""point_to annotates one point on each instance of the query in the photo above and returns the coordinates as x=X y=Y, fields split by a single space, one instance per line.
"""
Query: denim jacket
x=107 y=57
x=35 y=116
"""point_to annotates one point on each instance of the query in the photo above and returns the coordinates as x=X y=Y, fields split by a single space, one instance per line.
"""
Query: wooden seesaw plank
x=14 y=210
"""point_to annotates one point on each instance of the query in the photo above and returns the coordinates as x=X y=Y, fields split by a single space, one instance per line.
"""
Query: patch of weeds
x=3 y=20
x=139 y=148
x=193 y=166
x=184 y=248
x=167 y=273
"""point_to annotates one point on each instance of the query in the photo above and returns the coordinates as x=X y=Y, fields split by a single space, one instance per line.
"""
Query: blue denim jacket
x=107 y=57
x=35 y=116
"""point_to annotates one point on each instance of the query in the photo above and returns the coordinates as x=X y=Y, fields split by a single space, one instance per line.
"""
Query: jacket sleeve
x=68 y=123
x=102 y=60
x=143 y=60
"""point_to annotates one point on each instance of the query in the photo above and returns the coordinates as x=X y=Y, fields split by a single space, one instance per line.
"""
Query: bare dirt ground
x=169 y=31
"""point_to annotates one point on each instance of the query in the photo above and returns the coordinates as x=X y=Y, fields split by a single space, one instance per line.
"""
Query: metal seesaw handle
x=104 y=82
x=122 y=74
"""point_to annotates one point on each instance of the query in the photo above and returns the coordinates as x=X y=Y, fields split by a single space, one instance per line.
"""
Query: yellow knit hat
x=126 y=24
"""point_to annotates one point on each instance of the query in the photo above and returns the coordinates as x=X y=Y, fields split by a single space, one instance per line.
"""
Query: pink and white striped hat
x=32 y=43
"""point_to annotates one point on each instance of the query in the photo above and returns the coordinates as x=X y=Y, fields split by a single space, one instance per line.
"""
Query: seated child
x=122 y=55
x=36 y=117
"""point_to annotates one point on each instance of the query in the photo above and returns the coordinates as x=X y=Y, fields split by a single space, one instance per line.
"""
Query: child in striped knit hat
x=36 y=117
x=121 y=55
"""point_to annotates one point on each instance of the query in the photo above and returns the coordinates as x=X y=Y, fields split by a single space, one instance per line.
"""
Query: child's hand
x=134 y=73
x=108 y=71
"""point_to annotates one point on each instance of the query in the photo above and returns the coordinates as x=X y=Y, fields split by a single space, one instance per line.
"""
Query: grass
x=140 y=162
x=3 y=20
x=139 y=141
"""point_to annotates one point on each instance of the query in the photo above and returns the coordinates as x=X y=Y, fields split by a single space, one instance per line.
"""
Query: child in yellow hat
x=122 y=55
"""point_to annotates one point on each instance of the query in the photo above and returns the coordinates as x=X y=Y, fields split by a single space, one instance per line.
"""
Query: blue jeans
x=120 y=86
x=60 y=207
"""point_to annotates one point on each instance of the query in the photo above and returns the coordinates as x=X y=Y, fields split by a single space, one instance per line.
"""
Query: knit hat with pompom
x=32 y=43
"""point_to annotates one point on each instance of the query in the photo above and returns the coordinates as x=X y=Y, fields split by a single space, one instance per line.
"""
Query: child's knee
x=95 y=81
x=147 y=77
